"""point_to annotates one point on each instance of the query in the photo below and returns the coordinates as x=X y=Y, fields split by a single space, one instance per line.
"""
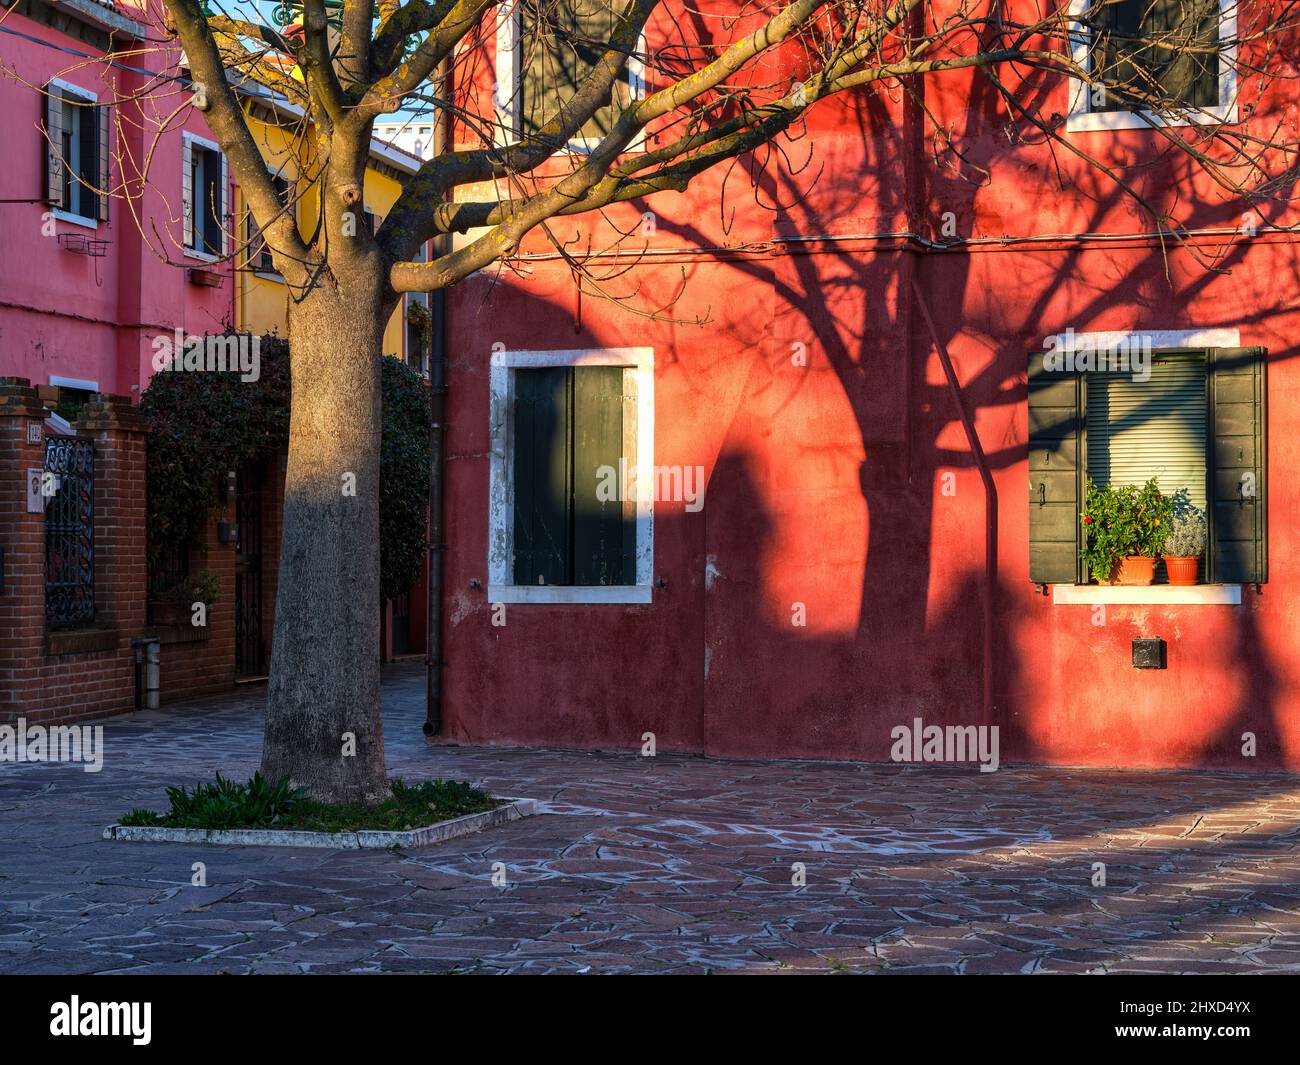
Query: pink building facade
x=83 y=297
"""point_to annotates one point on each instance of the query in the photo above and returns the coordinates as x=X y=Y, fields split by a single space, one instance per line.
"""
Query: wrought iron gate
x=250 y=647
x=69 y=530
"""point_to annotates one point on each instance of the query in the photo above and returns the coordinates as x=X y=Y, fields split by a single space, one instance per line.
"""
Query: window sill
x=201 y=256
x=85 y=641
x=268 y=275
x=1148 y=595
x=555 y=593
x=1100 y=121
x=75 y=219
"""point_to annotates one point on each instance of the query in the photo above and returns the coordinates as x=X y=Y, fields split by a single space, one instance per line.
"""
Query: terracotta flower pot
x=1182 y=570
x=168 y=612
x=1136 y=569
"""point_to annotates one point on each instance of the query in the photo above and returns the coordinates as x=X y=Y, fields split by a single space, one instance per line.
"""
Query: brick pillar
x=22 y=539
x=121 y=575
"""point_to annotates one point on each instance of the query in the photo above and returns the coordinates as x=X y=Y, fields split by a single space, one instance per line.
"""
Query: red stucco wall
x=825 y=482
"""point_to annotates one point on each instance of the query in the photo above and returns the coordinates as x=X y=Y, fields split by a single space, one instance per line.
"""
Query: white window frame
x=1082 y=120
x=66 y=88
x=638 y=364
x=510 y=82
x=1069 y=594
x=196 y=252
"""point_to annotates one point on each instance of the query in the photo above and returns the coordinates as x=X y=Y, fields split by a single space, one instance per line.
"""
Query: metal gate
x=250 y=647
x=69 y=490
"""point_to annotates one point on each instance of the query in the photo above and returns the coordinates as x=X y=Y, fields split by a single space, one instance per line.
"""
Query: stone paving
x=669 y=864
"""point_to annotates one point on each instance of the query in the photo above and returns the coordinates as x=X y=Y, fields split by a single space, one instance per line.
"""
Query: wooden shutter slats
x=53 y=144
x=104 y=154
x=223 y=214
x=1238 y=416
x=599 y=526
x=187 y=189
x=1054 y=428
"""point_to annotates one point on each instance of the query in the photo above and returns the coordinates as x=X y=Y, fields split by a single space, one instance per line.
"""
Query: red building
x=833 y=585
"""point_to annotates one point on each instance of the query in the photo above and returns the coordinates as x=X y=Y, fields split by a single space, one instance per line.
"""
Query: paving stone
x=664 y=865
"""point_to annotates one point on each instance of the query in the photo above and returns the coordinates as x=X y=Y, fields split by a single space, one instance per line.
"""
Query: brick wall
x=196 y=661
x=58 y=673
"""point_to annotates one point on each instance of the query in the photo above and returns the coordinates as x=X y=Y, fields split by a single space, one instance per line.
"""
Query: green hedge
x=203 y=424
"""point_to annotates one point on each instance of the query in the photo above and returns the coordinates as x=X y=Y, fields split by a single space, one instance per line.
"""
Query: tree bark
x=323 y=722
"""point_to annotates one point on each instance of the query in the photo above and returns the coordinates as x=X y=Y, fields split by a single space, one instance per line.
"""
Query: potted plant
x=1185 y=543
x=1124 y=531
x=174 y=605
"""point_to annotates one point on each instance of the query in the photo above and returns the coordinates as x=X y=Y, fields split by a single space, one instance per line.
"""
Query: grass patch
x=260 y=804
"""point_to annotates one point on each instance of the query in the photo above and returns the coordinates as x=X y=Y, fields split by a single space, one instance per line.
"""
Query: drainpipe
x=437 y=445
x=990 y=503
x=437 y=448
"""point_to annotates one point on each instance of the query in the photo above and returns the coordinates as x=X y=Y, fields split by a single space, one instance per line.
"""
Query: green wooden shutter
x=1239 y=521
x=601 y=532
x=542 y=428
x=1054 y=431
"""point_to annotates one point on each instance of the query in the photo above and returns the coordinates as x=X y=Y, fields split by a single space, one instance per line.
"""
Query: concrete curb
x=373 y=839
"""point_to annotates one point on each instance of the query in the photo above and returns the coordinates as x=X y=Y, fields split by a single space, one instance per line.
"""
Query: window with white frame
x=77 y=152
x=1153 y=62
x=570 y=521
x=204 y=192
x=1185 y=407
x=545 y=49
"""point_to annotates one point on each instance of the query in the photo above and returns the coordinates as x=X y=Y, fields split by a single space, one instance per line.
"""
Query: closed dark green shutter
x=89 y=132
x=1054 y=431
x=1239 y=523
x=541 y=475
x=601 y=534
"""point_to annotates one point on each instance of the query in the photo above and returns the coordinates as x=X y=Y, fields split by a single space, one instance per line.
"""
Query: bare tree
x=717 y=86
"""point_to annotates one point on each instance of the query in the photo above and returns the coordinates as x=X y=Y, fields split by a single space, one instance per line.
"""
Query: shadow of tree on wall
x=915 y=643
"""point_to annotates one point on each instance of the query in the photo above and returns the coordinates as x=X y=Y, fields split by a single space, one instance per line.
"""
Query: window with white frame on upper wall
x=569 y=519
x=545 y=48
x=1153 y=62
x=77 y=153
x=204 y=192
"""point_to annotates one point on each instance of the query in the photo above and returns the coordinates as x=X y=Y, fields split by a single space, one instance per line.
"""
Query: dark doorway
x=401 y=625
x=250 y=647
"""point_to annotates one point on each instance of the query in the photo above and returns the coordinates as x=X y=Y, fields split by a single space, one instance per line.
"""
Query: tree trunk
x=323 y=723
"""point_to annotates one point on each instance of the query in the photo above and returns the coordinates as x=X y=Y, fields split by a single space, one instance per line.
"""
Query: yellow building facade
x=260 y=293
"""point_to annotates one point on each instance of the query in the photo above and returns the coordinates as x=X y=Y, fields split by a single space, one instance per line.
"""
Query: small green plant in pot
x=1185 y=543
x=1124 y=531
